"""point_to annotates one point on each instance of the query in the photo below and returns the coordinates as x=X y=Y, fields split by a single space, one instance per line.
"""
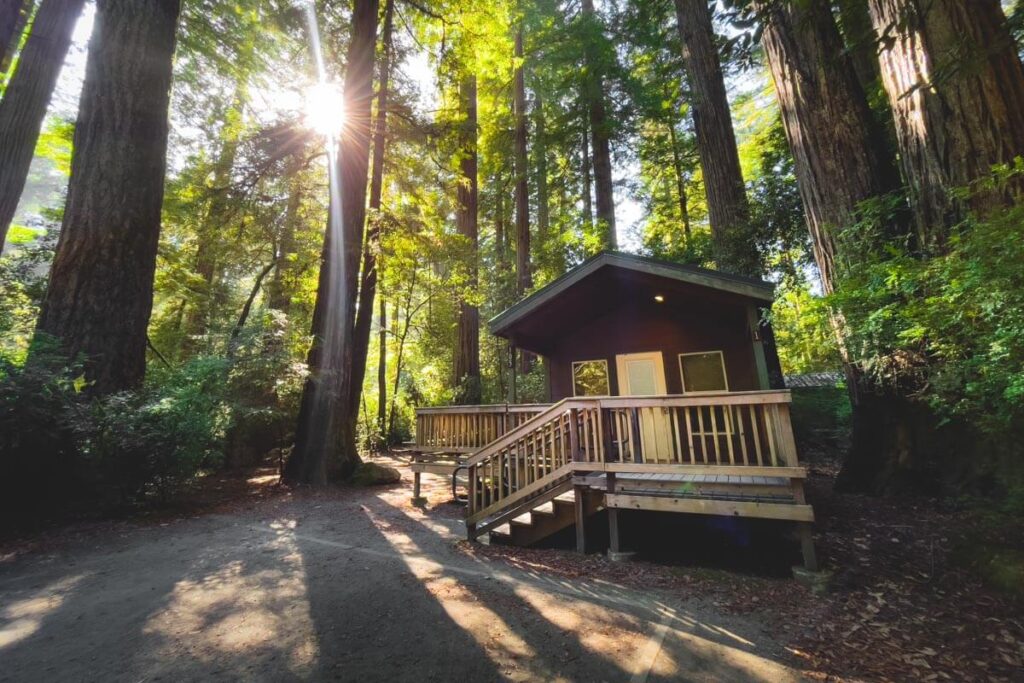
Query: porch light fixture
x=659 y=298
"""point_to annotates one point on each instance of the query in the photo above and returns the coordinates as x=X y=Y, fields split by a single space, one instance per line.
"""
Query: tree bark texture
x=600 y=143
x=382 y=374
x=100 y=293
x=27 y=98
x=956 y=88
x=839 y=152
x=728 y=211
x=325 y=439
x=467 y=347
x=371 y=248
x=14 y=16
x=524 y=278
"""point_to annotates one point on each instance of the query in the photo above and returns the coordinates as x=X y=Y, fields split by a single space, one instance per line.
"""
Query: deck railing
x=469 y=428
x=749 y=430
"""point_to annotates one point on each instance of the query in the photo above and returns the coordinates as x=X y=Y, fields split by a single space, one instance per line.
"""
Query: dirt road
x=350 y=585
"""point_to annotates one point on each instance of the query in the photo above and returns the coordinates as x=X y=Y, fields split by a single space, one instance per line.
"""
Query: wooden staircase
x=727 y=454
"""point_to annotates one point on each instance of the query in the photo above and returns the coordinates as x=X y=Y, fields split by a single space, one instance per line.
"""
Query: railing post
x=784 y=432
x=606 y=432
x=574 y=435
x=634 y=416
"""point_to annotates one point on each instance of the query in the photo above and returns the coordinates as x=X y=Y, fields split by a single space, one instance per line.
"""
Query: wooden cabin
x=665 y=394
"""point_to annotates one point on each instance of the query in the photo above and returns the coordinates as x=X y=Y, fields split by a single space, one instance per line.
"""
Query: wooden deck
x=727 y=454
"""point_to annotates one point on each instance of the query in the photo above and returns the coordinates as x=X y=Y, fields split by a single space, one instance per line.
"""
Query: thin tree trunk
x=588 y=206
x=467 y=348
x=13 y=19
x=382 y=374
x=600 y=142
x=243 y=317
x=100 y=294
x=728 y=212
x=540 y=151
x=500 y=237
x=524 y=279
x=282 y=285
x=325 y=439
x=400 y=353
x=27 y=98
x=370 y=274
x=956 y=88
x=210 y=238
x=677 y=164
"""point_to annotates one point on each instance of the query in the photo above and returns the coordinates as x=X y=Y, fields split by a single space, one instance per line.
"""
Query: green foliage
x=946 y=326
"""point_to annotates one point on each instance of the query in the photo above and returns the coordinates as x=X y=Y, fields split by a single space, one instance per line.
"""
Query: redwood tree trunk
x=728 y=211
x=956 y=87
x=840 y=154
x=524 y=279
x=677 y=164
x=325 y=439
x=600 y=143
x=13 y=17
x=588 y=205
x=368 y=287
x=467 y=347
x=27 y=97
x=100 y=294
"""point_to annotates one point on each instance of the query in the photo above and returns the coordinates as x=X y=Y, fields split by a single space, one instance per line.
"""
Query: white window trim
x=607 y=375
x=682 y=375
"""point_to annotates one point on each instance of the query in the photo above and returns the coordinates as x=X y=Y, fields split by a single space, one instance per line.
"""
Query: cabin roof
x=614 y=278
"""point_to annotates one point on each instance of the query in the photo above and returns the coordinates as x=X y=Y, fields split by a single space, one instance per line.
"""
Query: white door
x=643 y=374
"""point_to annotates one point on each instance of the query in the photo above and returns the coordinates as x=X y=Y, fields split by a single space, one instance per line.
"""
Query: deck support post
x=470 y=532
x=806 y=535
x=613 y=519
x=580 y=503
x=416 y=498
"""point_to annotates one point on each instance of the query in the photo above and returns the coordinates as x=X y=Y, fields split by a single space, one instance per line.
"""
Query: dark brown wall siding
x=671 y=330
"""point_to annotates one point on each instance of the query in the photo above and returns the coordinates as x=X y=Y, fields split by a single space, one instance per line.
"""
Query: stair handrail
x=526 y=427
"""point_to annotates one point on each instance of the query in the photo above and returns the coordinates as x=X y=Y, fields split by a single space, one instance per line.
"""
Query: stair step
x=502 y=529
x=547 y=508
x=526 y=519
x=567 y=497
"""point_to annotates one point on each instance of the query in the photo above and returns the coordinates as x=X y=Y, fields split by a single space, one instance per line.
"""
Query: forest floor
x=253 y=581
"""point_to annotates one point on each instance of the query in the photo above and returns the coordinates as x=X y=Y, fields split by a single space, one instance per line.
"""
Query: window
x=590 y=378
x=703 y=372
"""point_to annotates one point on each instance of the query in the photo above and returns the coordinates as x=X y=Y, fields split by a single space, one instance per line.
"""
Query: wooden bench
x=440 y=461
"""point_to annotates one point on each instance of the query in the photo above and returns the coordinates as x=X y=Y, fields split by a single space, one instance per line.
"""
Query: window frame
x=721 y=359
x=607 y=375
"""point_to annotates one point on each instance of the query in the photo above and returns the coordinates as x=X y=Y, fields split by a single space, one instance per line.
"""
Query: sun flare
x=325 y=109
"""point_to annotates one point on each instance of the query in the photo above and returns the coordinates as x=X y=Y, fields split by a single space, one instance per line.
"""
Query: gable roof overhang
x=612 y=279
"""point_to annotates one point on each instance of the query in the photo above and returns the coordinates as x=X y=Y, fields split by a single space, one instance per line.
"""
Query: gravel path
x=346 y=585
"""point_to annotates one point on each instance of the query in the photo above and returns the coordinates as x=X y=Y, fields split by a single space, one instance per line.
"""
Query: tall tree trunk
x=467 y=348
x=841 y=159
x=100 y=294
x=524 y=279
x=370 y=275
x=540 y=151
x=27 y=97
x=500 y=236
x=840 y=154
x=728 y=211
x=325 y=439
x=588 y=206
x=677 y=164
x=13 y=18
x=600 y=142
x=956 y=87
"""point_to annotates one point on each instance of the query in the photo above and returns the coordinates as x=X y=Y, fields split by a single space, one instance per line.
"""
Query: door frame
x=659 y=374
